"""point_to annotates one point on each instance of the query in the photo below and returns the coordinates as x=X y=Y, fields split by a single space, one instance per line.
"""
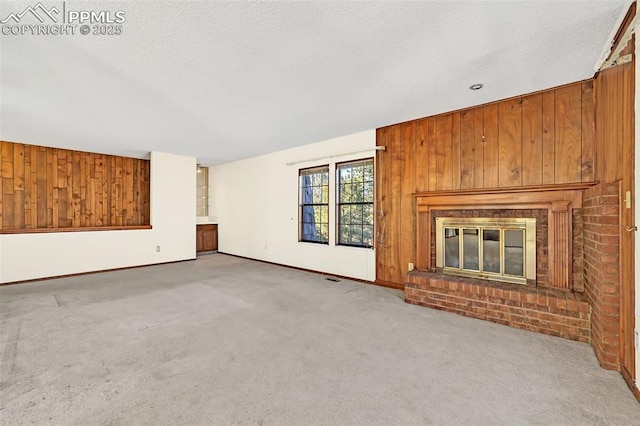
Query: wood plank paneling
x=455 y=151
x=394 y=221
x=548 y=138
x=27 y=185
x=517 y=142
x=627 y=220
x=18 y=186
x=431 y=140
x=510 y=143
x=479 y=148
x=406 y=252
x=383 y=181
x=568 y=137
x=532 y=165
x=614 y=162
x=467 y=149
x=55 y=188
x=490 y=135
x=41 y=187
x=7 y=186
x=422 y=156
x=444 y=152
x=588 y=132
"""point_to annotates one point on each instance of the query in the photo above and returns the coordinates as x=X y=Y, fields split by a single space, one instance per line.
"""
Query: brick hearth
x=553 y=311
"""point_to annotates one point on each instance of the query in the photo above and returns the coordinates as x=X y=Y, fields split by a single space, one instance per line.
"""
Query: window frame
x=371 y=203
x=325 y=168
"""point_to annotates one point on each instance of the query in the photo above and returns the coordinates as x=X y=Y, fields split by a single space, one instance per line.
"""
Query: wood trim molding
x=559 y=246
x=558 y=200
x=86 y=229
x=511 y=190
x=383 y=283
x=629 y=381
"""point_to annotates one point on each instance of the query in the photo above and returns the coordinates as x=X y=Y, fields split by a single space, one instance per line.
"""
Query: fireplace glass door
x=495 y=249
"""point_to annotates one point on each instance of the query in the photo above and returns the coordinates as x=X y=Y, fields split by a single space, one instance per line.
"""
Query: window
x=314 y=205
x=202 y=191
x=355 y=203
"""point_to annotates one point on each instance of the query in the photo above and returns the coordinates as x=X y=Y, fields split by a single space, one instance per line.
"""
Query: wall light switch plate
x=627 y=199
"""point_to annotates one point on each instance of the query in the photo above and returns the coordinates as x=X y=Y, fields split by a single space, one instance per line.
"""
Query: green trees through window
x=355 y=203
x=314 y=205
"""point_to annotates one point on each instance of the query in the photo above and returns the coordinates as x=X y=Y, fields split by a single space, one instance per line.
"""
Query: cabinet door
x=211 y=237
x=199 y=238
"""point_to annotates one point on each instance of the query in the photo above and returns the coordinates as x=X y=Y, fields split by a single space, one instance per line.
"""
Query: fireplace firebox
x=498 y=249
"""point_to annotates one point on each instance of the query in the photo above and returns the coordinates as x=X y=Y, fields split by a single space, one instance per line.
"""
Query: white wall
x=173 y=217
x=255 y=202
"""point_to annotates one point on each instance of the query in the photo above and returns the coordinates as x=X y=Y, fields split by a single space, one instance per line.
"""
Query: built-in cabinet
x=206 y=237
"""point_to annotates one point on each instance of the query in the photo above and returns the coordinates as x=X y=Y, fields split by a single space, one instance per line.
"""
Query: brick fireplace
x=552 y=303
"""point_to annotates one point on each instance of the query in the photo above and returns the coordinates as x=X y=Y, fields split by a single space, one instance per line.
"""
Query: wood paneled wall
x=543 y=138
x=615 y=132
x=49 y=188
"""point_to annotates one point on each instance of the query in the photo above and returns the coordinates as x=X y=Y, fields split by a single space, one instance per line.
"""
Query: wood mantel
x=558 y=200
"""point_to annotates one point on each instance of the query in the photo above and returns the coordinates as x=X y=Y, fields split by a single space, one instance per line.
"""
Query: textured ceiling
x=228 y=80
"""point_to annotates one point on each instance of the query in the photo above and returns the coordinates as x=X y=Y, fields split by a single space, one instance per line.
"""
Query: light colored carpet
x=224 y=340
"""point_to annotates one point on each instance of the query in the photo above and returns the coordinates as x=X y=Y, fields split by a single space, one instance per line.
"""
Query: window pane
x=343 y=176
x=451 y=247
x=491 y=250
x=356 y=214
x=355 y=203
x=357 y=174
x=368 y=172
x=358 y=193
x=343 y=214
x=314 y=199
x=367 y=217
x=322 y=213
x=368 y=192
x=470 y=246
x=356 y=235
x=317 y=195
x=368 y=235
x=514 y=252
x=342 y=234
x=345 y=193
x=323 y=232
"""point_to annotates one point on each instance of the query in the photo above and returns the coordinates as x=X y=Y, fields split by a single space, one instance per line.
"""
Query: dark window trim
x=338 y=203
x=327 y=168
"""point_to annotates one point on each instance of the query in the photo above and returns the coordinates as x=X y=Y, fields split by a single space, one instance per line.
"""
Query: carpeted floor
x=223 y=340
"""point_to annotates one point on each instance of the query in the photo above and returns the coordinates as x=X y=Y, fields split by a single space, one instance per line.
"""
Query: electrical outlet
x=158 y=249
x=411 y=267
